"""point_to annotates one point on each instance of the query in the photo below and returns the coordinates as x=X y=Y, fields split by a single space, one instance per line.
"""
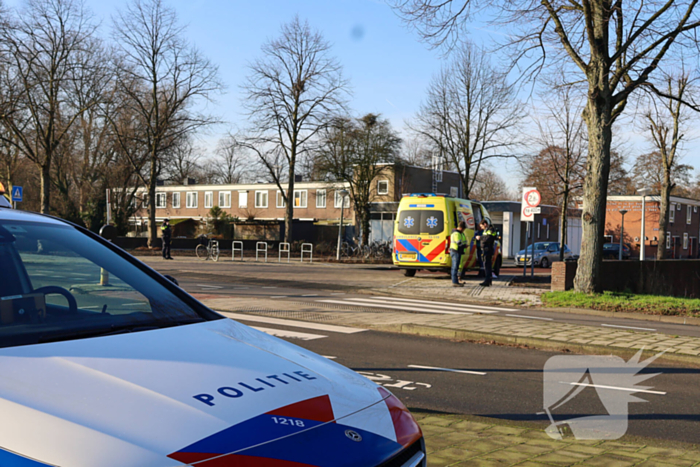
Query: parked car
x=612 y=251
x=546 y=253
x=105 y=362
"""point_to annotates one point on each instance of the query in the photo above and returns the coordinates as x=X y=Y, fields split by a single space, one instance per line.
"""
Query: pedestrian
x=166 y=232
x=458 y=242
x=487 y=240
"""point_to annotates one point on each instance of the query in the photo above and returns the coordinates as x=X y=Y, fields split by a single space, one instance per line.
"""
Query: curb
x=533 y=342
x=675 y=319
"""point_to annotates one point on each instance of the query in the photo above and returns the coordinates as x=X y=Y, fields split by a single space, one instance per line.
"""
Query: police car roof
x=14 y=215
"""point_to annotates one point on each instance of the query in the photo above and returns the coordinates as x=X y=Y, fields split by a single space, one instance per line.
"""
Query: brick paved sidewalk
x=544 y=335
x=453 y=440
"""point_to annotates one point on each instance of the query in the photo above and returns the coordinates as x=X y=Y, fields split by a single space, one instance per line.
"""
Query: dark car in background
x=612 y=251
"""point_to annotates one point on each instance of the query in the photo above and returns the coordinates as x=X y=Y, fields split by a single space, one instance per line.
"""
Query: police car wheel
x=545 y=263
x=409 y=272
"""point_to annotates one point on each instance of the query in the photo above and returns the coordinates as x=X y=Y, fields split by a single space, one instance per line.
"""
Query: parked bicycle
x=208 y=251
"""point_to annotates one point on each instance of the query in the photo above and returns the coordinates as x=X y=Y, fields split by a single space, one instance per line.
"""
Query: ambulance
x=422 y=231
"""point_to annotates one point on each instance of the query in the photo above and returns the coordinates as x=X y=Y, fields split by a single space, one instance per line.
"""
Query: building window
x=320 y=198
x=176 y=200
x=144 y=201
x=672 y=214
x=668 y=240
x=208 y=199
x=454 y=191
x=160 y=200
x=685 y=241
x=280 y=200
x=242 y=199
x=547 y=231
x=261 y=199
x=538 y=230
x=689 y=215
x=224 y=199
x=338 y=200
x=383 y=187
x=300 y=198
x=191 y=199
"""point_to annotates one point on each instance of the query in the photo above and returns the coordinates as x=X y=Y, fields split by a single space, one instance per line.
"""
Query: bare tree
x=354 y=151
x=417 y=152
x=291 y=94
x=612 y=46
x=232 y=161
x=489 y=186
x=665 y=121
x=162 y=77
x=47 y=48
x=470 y=115
x=560 y=166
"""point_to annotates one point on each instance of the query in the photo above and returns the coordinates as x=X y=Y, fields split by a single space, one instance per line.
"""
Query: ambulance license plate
x=407 y=256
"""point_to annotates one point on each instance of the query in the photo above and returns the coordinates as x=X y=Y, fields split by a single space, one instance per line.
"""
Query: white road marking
x=407 y=306
x=436 y=368
x=395 y=307
x=279 y=296
x=270 y=287
x=241 y=288
x=310 y=295
x=627 y=327
x=209 y=286
x=329 y=357
x=340 y=293
x=461 y=305
x=530 y=317
x=289 y=334
x=292 y=323
x=661 y=393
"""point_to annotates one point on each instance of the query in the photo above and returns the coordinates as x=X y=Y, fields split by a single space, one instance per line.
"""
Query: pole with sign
x=529 y=206
x=17 y=195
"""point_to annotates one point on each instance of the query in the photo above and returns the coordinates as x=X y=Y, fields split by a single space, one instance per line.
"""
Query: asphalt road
x=342 y=288
x=494 y=381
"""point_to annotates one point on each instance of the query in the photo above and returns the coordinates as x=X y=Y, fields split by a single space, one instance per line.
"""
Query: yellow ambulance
x=422 y=230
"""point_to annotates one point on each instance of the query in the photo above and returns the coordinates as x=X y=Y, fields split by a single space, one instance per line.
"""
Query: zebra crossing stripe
x=395 y=307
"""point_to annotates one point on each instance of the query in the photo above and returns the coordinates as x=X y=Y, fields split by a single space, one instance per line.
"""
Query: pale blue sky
x=388 y=68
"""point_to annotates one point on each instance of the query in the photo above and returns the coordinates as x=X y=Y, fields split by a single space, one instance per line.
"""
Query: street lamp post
x=343 y=194
x=644 y=192
x=622 y=231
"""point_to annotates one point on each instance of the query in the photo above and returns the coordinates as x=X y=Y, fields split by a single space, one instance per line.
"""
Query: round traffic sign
x=532 y=198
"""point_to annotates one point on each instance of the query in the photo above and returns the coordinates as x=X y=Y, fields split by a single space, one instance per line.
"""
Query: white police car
x=104 y=362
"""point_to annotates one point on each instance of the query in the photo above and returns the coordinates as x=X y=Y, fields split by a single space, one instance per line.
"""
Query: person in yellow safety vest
x=487 y=239
x=458 y=243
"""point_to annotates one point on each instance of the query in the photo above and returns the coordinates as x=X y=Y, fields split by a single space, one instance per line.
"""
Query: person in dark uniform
x=487 y=240
x=167 y=235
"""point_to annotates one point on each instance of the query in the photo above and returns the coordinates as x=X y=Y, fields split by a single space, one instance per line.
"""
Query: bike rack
x=309 y=250
x=234 y=250
x=284 y=248
x=258 y=250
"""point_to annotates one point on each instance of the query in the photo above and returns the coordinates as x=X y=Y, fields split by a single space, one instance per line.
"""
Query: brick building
x=683 y=229
x=314 y=202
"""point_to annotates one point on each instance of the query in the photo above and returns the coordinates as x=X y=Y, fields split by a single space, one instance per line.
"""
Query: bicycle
x=211 y=250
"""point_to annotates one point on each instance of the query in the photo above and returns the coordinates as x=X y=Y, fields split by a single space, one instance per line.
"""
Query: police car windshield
x=58 y=284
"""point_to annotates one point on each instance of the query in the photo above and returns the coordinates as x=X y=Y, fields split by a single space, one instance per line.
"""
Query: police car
x=105 y=362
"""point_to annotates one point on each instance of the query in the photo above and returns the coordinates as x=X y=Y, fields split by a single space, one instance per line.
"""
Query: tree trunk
x=364 y=225
x=289 y=212
x=563 y=220
x=598 y=119
x=664 y=213
x=46 y=188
